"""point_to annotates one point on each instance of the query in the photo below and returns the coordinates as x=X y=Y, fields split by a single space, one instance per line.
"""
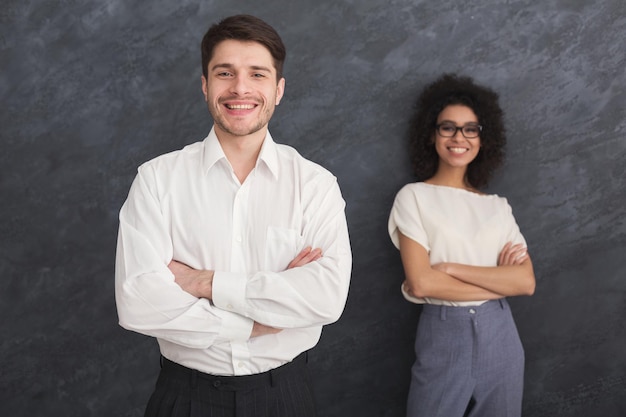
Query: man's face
x=240 y=89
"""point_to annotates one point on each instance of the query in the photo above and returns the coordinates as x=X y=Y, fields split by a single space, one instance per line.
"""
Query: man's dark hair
x=244 y=28
x=451 y=89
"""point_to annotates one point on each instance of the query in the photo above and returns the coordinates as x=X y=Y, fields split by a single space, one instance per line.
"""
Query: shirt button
x=472 y=311
x=241 y=364
x=216 y=384
x=229 y=306
x=238 y=239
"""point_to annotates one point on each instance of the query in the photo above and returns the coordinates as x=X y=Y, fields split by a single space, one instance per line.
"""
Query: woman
x=462 y=254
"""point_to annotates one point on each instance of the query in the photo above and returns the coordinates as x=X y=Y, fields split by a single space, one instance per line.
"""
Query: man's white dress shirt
x=190 y=207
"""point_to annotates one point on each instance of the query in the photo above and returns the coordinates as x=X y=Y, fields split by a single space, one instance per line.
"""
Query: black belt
x=174 y=370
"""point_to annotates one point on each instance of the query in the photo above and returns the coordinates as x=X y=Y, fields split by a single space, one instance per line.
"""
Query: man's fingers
x=314 y=255
x=305 y=256
x=259 y=329
x=303 y=253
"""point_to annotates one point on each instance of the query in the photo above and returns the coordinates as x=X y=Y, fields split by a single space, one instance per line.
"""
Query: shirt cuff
x=229 y=291
x=234 y=327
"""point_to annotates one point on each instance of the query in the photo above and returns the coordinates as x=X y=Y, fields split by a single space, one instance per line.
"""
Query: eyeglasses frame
x=480 y=129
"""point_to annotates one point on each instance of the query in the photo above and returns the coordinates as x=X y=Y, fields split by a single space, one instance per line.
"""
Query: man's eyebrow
x=260 y=68
x=231 y=66
x=224 y=65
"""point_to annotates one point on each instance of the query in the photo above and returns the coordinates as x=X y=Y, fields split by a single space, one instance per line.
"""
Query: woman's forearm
x=507 y=280
x=435 y=284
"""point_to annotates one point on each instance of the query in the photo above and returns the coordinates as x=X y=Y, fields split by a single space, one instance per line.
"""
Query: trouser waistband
x=174 y=370
x=454 y=312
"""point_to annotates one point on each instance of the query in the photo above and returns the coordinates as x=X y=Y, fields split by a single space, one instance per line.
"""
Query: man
x=215 y=250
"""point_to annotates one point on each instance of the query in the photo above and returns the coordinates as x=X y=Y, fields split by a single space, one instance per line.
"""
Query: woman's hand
x=512 y=254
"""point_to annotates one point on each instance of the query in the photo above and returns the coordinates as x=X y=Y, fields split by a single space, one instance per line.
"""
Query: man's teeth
x=458 y=150
x=240 y=106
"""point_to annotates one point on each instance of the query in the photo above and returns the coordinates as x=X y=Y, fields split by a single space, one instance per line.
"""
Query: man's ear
x=204 y=88
x=280 y=90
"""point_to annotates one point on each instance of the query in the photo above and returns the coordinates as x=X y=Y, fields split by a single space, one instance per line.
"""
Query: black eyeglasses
x=448 y=130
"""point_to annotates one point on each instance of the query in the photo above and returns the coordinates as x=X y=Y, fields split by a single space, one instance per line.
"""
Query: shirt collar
x=213 y=152
x=269 y=155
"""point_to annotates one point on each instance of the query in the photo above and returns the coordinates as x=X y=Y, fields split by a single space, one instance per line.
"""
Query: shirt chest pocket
x=281 y=246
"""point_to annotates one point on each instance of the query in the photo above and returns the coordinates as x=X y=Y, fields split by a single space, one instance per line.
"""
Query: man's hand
x=198 y=283
x=512 y=254
x=307 y=255
x=259 y=329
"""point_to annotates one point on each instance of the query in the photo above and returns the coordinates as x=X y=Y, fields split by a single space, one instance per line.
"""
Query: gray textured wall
x=91 y=89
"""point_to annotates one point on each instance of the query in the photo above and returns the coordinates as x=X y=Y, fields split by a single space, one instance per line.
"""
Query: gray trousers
x=469 y=362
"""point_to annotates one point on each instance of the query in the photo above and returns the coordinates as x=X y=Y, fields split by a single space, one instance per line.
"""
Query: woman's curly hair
x=448 y=90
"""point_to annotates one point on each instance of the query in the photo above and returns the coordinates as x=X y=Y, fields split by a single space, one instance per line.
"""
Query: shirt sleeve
x=512 y=230
x=148 y=299
x=311 y=295
x=405 y=218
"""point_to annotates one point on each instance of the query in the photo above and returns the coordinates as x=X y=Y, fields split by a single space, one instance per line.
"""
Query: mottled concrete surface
x=90 y=89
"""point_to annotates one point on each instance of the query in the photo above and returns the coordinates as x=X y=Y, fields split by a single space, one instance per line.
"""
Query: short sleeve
x=512 y=230
x=405 y=217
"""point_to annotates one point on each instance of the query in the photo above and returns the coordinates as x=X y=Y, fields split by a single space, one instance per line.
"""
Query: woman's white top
x=453 y=225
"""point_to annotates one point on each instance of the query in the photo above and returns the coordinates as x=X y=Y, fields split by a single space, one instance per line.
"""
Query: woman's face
x=454 y=148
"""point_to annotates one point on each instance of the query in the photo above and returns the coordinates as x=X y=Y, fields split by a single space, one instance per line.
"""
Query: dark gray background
x=91 y=89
